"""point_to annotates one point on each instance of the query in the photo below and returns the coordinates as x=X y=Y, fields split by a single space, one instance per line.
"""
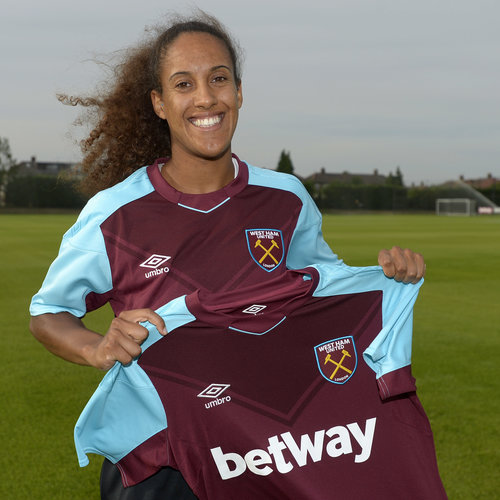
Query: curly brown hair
x=126 y=133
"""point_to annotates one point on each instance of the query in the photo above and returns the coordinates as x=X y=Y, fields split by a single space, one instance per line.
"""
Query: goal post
x=455 y=206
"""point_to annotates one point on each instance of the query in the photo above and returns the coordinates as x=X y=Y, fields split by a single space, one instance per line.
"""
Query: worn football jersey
x=141 y=243
x=298 y=388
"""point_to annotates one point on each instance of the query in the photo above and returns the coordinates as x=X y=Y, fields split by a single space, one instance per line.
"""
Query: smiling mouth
x=206 y=122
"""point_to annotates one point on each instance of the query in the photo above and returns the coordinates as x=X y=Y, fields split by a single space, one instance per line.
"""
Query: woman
x=197 y=218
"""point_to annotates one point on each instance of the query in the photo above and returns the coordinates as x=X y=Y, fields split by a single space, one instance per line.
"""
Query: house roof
x=324 y=178
x=481 y=183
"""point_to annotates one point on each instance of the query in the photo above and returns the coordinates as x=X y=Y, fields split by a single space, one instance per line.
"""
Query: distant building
x=54 y=168
x=482 y=183
x=323 y=178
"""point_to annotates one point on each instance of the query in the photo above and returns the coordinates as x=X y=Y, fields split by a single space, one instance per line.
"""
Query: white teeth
x=206 y=122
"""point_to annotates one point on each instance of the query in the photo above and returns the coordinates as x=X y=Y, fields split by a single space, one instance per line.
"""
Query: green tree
x=285 y=163
x=395 y=180
x=6 y=163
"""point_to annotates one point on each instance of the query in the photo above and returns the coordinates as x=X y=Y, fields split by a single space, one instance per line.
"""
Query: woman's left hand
x=402 y=265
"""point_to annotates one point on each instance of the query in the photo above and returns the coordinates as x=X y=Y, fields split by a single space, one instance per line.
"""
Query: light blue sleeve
x=126 y=410
x=307 y=245
x=82 y=265
x=391 y=349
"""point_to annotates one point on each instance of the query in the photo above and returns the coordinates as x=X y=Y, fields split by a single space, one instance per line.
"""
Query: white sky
x=342 y=84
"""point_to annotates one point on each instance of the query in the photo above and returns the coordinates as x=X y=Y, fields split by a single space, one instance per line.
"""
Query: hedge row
x=365 y=197
x=43 y=192
x=54 y=192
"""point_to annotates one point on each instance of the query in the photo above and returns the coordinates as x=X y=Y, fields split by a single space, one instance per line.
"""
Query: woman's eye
x=182 y=85
x=219 y=78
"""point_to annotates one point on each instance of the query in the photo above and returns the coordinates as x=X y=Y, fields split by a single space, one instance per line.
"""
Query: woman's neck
x=199 y=176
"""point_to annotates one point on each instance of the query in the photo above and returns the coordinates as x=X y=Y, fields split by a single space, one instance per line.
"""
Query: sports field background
x=455 y=351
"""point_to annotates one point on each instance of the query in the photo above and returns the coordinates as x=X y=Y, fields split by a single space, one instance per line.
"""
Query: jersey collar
x=204 y=203
x=256 y=309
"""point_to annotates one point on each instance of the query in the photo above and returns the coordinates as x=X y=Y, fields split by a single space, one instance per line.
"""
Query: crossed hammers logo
x=267 y=251
x=339 y=364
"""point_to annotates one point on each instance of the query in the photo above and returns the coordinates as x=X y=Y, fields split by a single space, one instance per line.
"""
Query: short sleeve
x=307 y=245
x=108 y=423
x=81 y=267
x=389 y=355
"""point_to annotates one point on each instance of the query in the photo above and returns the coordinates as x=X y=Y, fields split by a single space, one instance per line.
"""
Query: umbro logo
x=213 y=391
x=155 y=263
x=254 y=309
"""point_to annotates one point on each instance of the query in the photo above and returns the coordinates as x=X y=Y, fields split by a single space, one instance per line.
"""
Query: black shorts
x=166 y=484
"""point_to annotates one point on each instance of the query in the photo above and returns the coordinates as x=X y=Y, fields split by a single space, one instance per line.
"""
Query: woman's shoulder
x=109 y=200
x=278 y=180
x=106 y=202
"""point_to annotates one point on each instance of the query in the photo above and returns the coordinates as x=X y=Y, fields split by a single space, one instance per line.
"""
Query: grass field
x=455 y=353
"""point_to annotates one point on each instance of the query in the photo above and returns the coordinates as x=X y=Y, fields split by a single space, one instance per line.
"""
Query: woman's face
x=200 y=98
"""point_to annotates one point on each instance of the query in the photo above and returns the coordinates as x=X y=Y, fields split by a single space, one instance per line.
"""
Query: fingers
x=116 y=347
x=402 y=265
x=130 y=330
x=385 y=260
x=122 y=343
x=140 y=315
x=421 y=267
x=123 y=340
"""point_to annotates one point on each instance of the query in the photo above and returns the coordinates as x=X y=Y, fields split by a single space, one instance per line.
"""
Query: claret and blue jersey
x=298 y=389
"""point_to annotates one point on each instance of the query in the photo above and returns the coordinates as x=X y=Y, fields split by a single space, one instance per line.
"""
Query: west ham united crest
x=266 y=247
x=337 y=359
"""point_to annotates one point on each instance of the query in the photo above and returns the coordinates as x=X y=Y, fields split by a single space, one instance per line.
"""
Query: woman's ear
x=240 y=95
x=157 y=102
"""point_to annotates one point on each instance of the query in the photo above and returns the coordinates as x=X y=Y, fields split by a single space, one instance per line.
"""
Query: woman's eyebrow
x=178 y=73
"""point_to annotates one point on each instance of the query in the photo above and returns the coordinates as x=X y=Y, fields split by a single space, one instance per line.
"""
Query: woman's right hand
x=66 y=336
x=123 y=340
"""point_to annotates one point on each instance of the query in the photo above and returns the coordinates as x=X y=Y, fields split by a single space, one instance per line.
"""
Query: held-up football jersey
x=299 y=388
x=141 y=243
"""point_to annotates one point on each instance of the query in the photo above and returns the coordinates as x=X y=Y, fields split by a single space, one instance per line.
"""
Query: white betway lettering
x=275 y=448
x=259 y=461
x=306 y=447
x=364 y=440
